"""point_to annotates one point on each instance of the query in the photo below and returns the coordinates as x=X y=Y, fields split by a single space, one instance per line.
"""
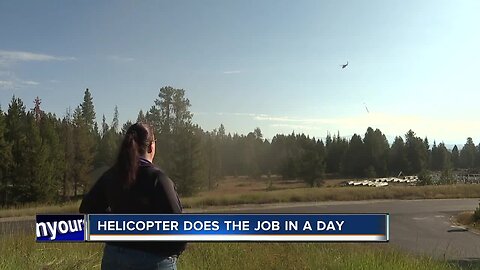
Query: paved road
x=421 y=226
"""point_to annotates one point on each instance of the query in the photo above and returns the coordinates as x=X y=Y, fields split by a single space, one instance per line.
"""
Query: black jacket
x=152 y=193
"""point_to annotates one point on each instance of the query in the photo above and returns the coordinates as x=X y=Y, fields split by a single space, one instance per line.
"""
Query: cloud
x=241 y=114
x=295 y=127
x=8 y=78
x=357 y=120
x=249 y=114
x=14 y=83
x=391 y=124
x=232 y=72
x=19 y=56
x=30 y=82
x=264 y=117
x=121 y=59
x=4 y=84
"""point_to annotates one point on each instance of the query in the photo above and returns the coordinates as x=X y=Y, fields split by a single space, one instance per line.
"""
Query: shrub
x=424 y=178
x=476 y=214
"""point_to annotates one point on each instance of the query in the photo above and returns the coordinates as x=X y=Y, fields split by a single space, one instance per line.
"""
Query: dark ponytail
x=135 y=143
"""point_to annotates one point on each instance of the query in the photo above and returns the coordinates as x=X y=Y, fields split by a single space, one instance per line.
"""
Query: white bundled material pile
x=368 y=183
x=382 y=182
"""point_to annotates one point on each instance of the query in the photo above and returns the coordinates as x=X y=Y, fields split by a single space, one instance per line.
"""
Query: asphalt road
x=420 y=226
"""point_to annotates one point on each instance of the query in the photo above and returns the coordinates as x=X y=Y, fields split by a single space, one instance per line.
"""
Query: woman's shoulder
x=161 y=175
x=161 y=179
x=155 y=173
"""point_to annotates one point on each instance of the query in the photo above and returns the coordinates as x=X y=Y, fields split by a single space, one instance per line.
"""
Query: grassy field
x=237 y=191
x=217 y=198
x=21 y=252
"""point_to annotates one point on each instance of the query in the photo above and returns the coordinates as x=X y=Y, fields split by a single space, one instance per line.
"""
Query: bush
x=424 y=178
x=476 y=214
x=446 y=177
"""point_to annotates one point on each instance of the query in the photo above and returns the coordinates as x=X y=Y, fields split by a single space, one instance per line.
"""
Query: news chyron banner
x=215 y=227
x=60 y=228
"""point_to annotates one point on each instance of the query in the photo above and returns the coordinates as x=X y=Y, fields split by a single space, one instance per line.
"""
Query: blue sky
x=271 y=64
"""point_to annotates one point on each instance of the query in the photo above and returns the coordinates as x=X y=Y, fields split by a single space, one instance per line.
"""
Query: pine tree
x=109 y=143
x=105 y=127
x=54 y=167
x=115 y=123
x=455 y=157
x=187 y=162
x=212 y=158
x=178 y=138
x=35 y=185
x=68 y=139
x=312 y=163
x=290 y=163
x=141 y=117
x=398 y=157
x=477 y=157
x=84 y=152
x=434 y=158
x=445 y=158
x=277 y=153
x=417 y=153
x=250 y=155
x=336 y=149
x=355 y=158
x=429 y=152
x=467 y=154
x=16 y=135
x=41 y=158
x=220 y=142
x=87 y=137
x=125 y=128
x=88 y=111
x=221 y=131
x=376 y=150
x=37 y=111
x=6 y=161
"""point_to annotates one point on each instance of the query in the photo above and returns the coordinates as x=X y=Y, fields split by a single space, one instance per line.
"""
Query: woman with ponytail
x=135 y=186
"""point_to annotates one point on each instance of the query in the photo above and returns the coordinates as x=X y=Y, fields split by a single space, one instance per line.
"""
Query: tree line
x=46 y=158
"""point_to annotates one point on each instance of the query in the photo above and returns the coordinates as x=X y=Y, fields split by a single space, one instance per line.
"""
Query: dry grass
x=235 y=185
x=32 y=209
x=224 y=198
x=467 y=219
x=242 y=190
